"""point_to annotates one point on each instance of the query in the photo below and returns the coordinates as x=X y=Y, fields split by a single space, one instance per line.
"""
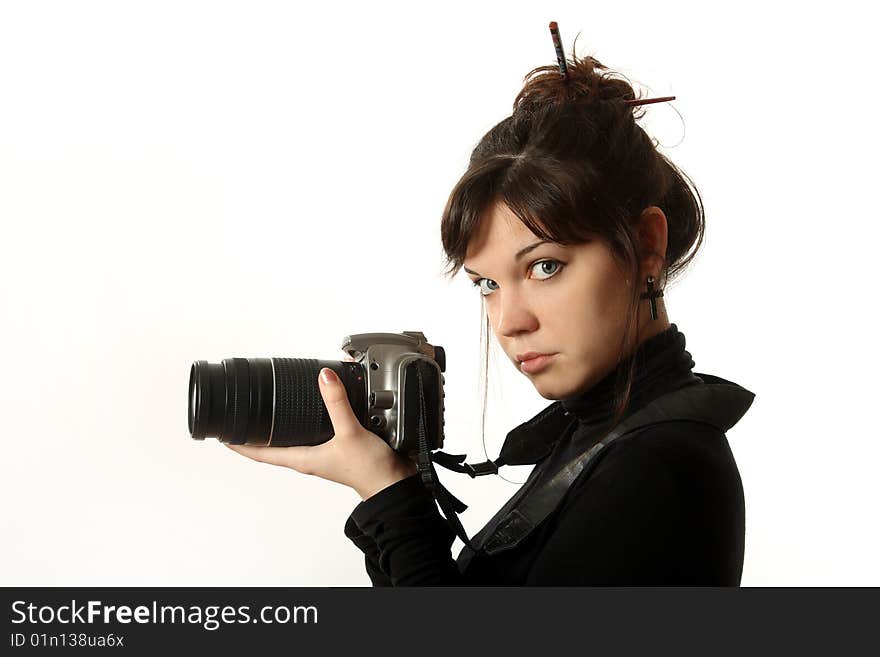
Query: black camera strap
x=449 y=504
x=454 y=462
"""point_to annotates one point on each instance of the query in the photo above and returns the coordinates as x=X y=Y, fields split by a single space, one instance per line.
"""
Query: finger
x=336 y=401
x=297 y=458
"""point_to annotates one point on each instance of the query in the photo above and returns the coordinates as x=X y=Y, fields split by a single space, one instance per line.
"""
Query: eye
x=478 y=283
x=554 y=269
x=542 y=266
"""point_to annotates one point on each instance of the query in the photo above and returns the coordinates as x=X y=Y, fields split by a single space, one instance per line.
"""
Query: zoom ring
x=300 y=415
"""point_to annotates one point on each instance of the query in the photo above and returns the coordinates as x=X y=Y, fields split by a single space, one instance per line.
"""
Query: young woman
x=569 y=222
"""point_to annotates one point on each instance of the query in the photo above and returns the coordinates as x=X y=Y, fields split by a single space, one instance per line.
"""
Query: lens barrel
x=268 y=401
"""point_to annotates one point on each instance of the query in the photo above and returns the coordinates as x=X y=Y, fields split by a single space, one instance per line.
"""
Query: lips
x=536 y=364
x=528 y=356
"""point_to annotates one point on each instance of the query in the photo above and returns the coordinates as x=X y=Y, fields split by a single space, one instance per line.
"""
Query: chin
x=541 y=390
x=549 y=391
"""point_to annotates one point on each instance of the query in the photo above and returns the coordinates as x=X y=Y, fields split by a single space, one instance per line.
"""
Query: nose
x=514 y=315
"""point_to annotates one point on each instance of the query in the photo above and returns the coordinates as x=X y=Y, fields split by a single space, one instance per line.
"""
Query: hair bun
x=585 y=83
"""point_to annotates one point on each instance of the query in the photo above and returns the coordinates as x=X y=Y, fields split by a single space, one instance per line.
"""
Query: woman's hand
x=354 y=457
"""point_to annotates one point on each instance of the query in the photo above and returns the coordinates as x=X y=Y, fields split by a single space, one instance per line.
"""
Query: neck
x=660 y=361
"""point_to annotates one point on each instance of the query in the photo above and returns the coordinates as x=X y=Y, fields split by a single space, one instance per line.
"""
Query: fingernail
x=328 y=375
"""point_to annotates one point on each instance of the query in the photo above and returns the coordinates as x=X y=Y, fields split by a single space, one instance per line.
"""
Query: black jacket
x=660 y=505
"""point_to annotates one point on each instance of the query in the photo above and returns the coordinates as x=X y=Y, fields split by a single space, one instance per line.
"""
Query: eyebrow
x=519 y=254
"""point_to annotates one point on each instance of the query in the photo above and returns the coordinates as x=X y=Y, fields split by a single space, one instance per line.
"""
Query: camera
x=394 y=385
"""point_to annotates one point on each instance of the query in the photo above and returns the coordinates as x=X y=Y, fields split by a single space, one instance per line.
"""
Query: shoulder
x=674 y=445
x=682 y=460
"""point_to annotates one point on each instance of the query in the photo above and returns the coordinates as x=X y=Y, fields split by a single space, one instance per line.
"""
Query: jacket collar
x=710 y=398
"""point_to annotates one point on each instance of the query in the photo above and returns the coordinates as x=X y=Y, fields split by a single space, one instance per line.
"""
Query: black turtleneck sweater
x=664 y=508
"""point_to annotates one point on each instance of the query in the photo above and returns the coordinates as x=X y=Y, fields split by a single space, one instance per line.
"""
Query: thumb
x=336 y=401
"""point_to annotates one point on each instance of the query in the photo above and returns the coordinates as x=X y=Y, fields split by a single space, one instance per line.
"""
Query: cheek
x=589 y=296
x=591 y=311
x=607 y=289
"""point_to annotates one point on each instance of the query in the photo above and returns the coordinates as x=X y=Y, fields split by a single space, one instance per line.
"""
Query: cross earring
x=652 y=295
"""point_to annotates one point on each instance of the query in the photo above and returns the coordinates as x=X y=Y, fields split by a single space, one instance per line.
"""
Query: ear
x=653 y=235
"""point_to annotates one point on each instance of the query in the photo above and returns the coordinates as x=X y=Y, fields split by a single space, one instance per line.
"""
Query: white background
x=203 y=180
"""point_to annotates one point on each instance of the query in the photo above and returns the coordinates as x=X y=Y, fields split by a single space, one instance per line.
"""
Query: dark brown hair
x=572 y=164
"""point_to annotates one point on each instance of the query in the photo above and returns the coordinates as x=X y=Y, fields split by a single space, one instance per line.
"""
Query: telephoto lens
x=268 y=401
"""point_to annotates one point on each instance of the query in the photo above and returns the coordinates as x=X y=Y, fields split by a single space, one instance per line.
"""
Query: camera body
x=391 y=362
x=392 y=380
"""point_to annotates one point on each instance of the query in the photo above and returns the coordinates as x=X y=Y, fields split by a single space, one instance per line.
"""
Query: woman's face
x=566 y=301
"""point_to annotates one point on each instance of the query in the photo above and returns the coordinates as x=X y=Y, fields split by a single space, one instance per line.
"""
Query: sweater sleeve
x=404 y=537
x=622 y=525
x=371 y=553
